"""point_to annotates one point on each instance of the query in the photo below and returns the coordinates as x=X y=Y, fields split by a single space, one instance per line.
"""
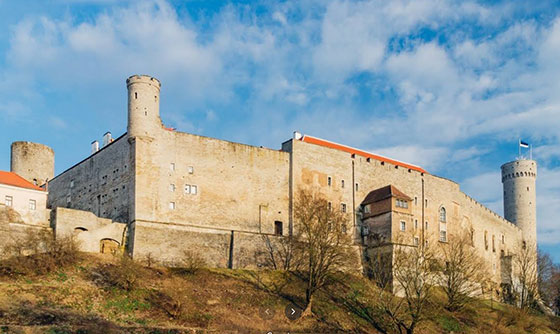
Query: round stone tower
x=520 y=197
x=143 y=106
x=32 y=161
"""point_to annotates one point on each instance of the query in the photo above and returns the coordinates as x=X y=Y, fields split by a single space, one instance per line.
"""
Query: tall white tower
x=520 y=197
x=143 y=106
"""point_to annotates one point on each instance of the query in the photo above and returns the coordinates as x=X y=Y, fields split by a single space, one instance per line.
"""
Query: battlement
x=133 y=79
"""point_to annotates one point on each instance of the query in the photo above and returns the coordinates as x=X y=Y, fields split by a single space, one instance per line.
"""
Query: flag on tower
x=523 y=144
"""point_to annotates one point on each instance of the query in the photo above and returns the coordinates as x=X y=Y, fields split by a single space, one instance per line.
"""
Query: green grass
x=449 y=324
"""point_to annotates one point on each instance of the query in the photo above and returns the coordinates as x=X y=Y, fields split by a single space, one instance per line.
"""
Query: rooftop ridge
x=13 y=179
x=352 y=150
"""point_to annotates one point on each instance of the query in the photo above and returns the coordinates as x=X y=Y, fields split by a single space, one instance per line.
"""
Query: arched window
x=442 y=215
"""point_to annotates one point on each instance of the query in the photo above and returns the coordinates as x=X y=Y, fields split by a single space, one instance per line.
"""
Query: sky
x=448 y=85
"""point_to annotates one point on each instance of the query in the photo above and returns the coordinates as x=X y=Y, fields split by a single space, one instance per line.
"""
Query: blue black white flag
x=523 y=144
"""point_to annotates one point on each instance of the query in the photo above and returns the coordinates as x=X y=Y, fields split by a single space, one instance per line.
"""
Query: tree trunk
x=308 y=312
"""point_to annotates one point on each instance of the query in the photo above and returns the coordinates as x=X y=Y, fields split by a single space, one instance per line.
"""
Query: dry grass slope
x=100 y=294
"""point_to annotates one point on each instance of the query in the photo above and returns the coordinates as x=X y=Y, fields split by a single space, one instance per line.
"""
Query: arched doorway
x=109 y=246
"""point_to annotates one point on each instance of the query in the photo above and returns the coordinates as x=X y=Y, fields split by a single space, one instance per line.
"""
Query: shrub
x=38 y=252
x=190 y=263
x=124 y=275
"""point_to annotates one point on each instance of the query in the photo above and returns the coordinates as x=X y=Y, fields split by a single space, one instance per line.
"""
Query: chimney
x=297 y=135
x=94 y=146
x=107 y=139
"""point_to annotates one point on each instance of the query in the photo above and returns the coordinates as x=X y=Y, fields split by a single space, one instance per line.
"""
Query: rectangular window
x=426 y=203
x=426 y=226
x=9 y=201
x=278 y=229
x=190 y=169
x=172 y=187
x=194 y=190
x=329 y=181
x=357 y=187
x=443 y=236
x=416 y=224
x=415 y=200
x=172 y=205
x=32 y=204
x=172 y=166
x=416 y=241
x=342 y=183
x=343 y=207
x=187 y=188
x=503 y=239
x=329 y=205
x=403 y=226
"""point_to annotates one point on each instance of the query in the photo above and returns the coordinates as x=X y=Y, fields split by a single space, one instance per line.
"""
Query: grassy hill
x=100 y=294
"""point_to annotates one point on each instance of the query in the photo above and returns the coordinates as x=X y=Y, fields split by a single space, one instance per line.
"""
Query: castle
x=160 y=192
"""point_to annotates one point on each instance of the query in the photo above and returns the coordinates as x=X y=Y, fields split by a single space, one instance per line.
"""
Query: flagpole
x=519 y=149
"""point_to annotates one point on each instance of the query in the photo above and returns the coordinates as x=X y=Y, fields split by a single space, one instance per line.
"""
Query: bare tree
x=527 y=273
x=407 y=291
x=321 y=240
x=461 y=271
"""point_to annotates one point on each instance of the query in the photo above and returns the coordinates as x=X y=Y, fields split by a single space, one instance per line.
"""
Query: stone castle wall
x=32 y=161
x=100 y=184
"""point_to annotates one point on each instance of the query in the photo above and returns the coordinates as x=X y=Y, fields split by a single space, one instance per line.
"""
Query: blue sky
x=450 y=86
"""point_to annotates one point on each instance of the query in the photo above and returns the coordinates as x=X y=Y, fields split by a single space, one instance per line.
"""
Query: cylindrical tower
x=520 y=196
x=143 y=106
x=32 y=161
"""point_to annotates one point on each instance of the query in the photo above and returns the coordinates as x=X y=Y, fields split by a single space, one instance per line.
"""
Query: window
x=190 y=169
x=357 y=187
x=443 y=232
x=426 y=204
x=187 y=188
x=32 y=204
x=9 y=201
x=191 y=189
x=442 y=215
x=343 y=207
x=278 y=228
x=342 y=184
x=329 y=181
x=416 y=241
x=367 y=209
x=426 y=226
x=401 y=203
x=329 y=206
x=415 y=200
x=172 y=187
x=172 y=166
x=493 y=244
x=403 y=226
x=171 y=205
x=343 y=228
x=194 y=190
x=503 y=239
x=416 y=224
x=486 y=240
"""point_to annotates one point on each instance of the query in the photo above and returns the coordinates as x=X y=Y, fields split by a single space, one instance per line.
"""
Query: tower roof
x=384 y=193
x=12 y=179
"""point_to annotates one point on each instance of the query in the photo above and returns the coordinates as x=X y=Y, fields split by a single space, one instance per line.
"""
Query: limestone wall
x=194 y=180
x=88 y=229
x=100 y=184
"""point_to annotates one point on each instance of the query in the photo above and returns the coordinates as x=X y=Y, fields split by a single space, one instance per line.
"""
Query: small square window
x=343 y=207
x=190 y=169
x=403 y=226
x=32 y=204
x=172 y=187
x=9 y=201
x=172 y=205
x=187 y=188
x=194 y=189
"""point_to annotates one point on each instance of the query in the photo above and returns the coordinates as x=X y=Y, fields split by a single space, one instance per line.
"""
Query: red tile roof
x=326 y=143
x=384 y=193
x=12 y=179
